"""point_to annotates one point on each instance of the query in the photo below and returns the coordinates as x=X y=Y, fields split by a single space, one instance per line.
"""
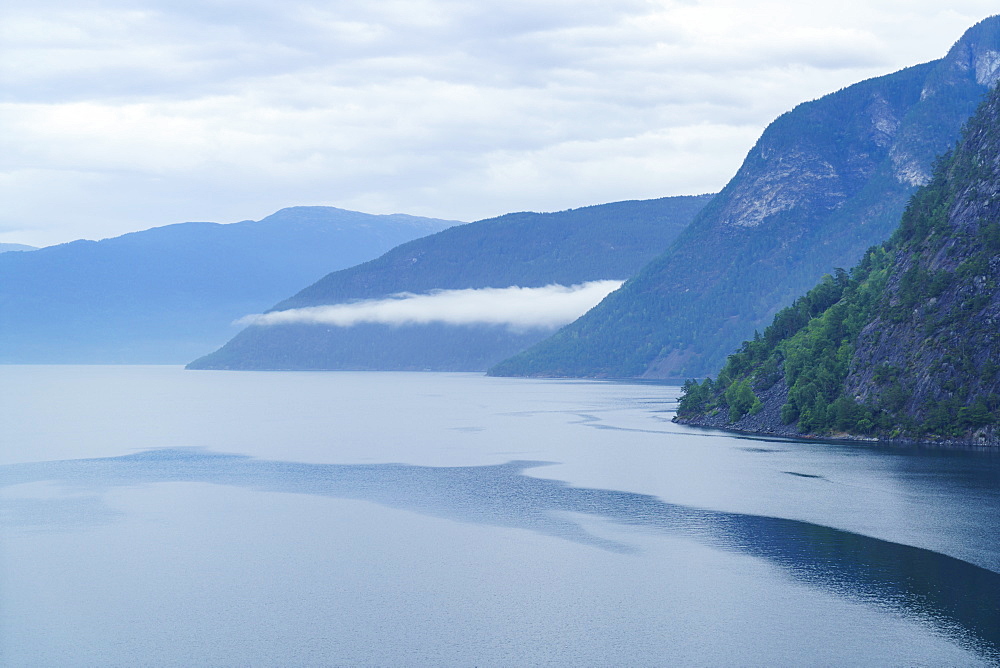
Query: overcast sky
x=120 y=115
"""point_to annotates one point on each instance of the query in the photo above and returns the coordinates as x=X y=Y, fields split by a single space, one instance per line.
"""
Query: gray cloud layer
x=518 y=308
x=121 y=115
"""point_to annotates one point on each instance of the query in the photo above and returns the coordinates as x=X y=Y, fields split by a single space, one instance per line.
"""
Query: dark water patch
x=760 y=438
x=608 y=427
x=961 y=599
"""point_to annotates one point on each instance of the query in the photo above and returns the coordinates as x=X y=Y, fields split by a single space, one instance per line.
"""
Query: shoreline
x=984 y=445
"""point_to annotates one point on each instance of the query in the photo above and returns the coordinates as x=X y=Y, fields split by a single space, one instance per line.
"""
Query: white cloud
x=123 y=115
x=518 y=308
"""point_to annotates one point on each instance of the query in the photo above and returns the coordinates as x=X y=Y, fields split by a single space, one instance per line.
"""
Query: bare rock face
x=783 y=172
x=987 y=67
x=908 y=169
x=792 y=180
x=806 y=175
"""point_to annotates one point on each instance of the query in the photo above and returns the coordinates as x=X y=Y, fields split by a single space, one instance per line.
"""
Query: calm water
x=152 y=516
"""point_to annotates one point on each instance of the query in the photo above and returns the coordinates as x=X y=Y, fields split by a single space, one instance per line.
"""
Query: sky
x=120 y=115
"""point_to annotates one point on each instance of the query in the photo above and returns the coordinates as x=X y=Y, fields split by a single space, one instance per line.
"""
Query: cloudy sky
x=120 y=115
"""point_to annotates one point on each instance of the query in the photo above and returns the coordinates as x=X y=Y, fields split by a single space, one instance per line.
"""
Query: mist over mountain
x=823 y=183
x=905 y=346
x=169 y=293
x=494 y=259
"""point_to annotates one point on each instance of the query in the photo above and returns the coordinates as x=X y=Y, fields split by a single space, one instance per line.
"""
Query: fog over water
x=518 y=308
x=218 y=518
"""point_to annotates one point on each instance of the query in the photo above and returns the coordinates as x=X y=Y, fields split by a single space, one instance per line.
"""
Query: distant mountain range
x=168 y=294
x=527 y=250
x=4 y=248
x=906 y=346
x=824 y=182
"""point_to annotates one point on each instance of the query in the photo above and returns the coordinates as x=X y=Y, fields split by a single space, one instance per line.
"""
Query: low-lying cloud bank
x=518 y=308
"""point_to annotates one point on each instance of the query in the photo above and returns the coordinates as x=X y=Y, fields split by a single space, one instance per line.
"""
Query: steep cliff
x=824 y=182
x=905 y=346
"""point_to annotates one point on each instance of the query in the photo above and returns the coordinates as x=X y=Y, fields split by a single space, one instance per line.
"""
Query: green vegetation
x=905 y=345
x=811 y=341
x=741 y=400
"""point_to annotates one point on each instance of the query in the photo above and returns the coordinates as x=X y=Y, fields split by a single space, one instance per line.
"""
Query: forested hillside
x=608 y=241
x=907 y=345
x=824 y=182
x=166 y=294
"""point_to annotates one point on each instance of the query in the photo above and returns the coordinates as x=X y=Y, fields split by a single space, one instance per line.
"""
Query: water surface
x=160 y=517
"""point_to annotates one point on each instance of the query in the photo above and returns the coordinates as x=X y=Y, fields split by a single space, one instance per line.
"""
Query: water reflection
x=959 y=597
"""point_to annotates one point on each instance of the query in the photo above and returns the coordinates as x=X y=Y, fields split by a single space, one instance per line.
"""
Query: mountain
x=169 y=293
x=6 y=248
x=905 y=346
x=608 y=241
x=823 y=183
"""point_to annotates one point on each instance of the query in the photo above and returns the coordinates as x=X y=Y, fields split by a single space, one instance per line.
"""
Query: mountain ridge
x=168 y=293
x=7 y=248
x=525 y=249
x=824 y=182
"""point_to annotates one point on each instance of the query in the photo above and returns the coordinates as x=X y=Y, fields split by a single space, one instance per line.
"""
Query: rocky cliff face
x=824 y=182
x=933 y=347
x=908 y=346
x=794 y=167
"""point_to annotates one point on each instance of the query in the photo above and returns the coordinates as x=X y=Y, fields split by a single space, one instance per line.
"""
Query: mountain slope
x=166 y=294
x=907 y=345
x=824 y=182
x=6 y=248
x=608 y=241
